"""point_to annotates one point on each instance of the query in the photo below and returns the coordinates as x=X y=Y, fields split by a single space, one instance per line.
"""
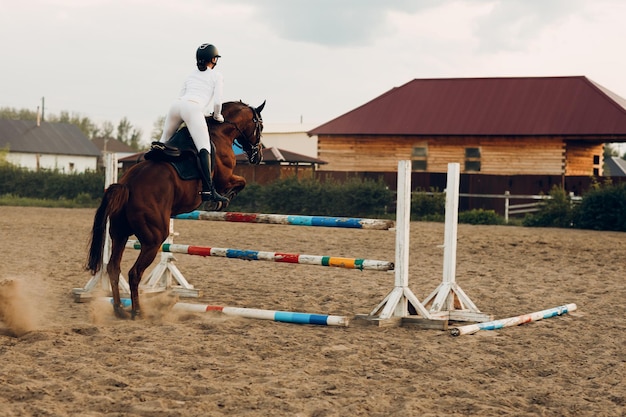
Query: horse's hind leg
x=145 y=258
x=113 y=271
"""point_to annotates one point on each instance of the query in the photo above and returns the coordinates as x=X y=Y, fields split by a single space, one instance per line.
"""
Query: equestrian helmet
x=206 y=52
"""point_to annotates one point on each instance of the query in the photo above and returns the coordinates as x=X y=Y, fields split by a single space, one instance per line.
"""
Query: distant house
x=54 y=146
x=112 y=145
x=615 y=167
x=497 y=126
x=277 y=164
x=292 y=137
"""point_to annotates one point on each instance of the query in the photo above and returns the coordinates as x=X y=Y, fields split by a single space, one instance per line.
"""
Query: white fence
x=520 y=208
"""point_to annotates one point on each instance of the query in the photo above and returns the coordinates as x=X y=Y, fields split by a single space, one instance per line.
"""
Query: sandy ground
x=59 y=358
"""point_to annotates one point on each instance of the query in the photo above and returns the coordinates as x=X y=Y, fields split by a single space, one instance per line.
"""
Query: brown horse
x=151 y=192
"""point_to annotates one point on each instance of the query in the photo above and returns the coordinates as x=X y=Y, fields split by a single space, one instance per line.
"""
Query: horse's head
x=248 y=122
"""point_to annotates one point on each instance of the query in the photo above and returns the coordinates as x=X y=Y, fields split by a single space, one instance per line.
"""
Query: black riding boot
x=208 y=192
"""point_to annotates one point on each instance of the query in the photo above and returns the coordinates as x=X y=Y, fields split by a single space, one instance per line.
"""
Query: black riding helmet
x=205 y=53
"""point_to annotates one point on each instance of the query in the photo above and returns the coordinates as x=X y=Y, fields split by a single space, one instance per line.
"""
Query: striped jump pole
x=294 y=220
x=253 y=255
x=513 y=321
x=255 y=313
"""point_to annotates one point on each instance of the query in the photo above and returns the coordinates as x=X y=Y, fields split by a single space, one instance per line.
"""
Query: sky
x=312 y=60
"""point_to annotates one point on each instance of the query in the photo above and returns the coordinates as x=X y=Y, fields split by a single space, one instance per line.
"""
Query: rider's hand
x=218 y=117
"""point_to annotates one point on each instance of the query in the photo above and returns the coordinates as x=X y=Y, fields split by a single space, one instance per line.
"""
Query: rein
x=256 y=133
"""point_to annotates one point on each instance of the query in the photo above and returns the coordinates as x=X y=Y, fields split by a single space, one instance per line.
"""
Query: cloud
x=356 y=23
x=511 y=23
x=331 y=22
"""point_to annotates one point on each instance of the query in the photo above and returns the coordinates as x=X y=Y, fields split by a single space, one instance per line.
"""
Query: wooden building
x=492 y=126
x=277 y=164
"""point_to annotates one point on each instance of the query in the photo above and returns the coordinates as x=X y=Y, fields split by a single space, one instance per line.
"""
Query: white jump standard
x=448 y=301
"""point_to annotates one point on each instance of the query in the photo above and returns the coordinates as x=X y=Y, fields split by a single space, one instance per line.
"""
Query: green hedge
x=353 y=198
x=50 y=185
x=556 y=212
x=603 y=208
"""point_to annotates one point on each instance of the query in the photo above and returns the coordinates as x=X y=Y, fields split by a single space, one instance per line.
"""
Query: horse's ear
x=260 y=108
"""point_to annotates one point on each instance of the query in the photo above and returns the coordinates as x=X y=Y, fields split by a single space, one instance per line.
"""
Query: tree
x=126 y=133
x=3 y=156
x=14 y=114
x=157 y=128
x=106 y=130
x=609 y=151
x=82 y=122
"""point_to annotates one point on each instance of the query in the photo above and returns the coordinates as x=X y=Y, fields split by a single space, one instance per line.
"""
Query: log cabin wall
x=583 y=158
x=363 y=153
x=512 y=155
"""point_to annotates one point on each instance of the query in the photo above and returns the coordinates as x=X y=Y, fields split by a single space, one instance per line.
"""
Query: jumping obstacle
x=288 y=219
x=254 y=255
x=513 y=321
x=400 y=305
x=255 y=313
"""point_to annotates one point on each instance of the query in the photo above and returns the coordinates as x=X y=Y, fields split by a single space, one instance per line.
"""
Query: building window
x=71 y=166
x=419 y=158
x=596 y=159
x=472 y=159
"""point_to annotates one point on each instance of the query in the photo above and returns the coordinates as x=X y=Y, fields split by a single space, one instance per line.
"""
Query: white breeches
x=191 y=113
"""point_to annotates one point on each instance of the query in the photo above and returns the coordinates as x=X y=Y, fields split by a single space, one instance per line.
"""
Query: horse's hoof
x=120 y=312
x=135 y=314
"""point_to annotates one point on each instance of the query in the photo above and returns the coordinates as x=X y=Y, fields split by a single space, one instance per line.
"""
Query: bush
x=555 y=212
x=603 y=208
x=480 y=216
x=353 y=198
x=428 y=206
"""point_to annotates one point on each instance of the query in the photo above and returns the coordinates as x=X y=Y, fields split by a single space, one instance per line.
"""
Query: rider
x=199 y=89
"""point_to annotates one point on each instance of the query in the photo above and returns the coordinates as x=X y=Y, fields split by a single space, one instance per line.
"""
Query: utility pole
x=43 y=101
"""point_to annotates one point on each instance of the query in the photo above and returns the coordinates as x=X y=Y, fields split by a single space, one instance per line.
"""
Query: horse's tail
x=113 y=201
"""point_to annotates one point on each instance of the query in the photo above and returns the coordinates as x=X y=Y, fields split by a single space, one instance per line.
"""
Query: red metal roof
x=487 y=106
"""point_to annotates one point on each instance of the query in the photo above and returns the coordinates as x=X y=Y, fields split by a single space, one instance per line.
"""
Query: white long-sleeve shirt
x=204 y=87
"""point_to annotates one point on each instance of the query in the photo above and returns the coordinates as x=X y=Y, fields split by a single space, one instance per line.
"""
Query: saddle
x=180 y=152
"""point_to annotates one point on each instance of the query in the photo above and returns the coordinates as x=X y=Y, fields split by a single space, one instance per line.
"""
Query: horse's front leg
x=233 y=187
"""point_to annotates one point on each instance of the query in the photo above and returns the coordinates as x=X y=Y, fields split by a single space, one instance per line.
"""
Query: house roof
x=275 y=155
x=615 y=166
x=47 y=138
x=488 y=106
x=112 y=145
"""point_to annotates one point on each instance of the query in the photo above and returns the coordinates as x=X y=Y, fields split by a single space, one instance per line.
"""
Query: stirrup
x=165 y=148
x=212 y=196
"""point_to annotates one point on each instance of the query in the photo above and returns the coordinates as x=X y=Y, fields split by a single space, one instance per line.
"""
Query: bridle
x=253 y=150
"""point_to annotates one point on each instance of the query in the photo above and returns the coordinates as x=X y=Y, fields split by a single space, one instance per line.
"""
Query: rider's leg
x=172 y=121
x=196 y=123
